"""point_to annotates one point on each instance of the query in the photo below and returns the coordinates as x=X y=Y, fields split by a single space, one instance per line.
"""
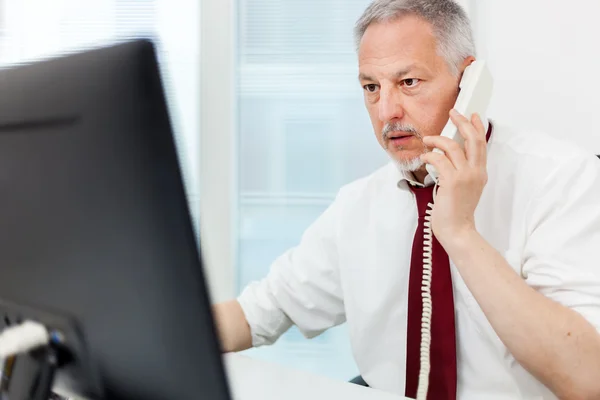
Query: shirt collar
x=409 y=177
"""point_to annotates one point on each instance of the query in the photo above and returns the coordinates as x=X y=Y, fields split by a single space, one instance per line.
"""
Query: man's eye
x=410 y=82
x=371 y=88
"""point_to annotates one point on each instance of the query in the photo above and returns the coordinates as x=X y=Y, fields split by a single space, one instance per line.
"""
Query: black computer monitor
x=96 y=238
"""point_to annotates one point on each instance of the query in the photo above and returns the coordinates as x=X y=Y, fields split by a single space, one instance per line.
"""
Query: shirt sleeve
x=562 y=253
x=302 y=288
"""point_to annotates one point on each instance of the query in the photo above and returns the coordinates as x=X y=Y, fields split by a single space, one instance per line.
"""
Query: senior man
x=516 y=250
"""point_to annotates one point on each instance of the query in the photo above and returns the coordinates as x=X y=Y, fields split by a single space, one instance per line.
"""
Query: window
x=303 y=132
x=37 y=29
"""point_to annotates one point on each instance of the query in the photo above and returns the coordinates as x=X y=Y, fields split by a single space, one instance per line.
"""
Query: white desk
x=251 y=379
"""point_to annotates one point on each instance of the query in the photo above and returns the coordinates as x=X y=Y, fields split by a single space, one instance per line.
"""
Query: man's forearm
x=553 y=342
x=232 y=327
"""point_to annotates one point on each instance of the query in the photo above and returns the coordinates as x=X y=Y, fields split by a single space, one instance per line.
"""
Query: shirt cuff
x=266 y=320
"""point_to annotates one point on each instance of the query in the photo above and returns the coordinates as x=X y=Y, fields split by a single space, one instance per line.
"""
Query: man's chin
x=407 y=159
x=409 y=164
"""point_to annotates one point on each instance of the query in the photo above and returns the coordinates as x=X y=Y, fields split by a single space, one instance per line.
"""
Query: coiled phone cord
x=423 y=386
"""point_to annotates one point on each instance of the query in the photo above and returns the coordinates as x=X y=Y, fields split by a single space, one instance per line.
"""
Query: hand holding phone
x=475 y=93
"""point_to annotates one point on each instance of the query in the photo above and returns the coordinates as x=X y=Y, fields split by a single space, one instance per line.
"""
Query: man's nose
x=390 y=105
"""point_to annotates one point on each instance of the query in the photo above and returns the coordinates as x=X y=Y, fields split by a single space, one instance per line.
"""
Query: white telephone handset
x=475 y=92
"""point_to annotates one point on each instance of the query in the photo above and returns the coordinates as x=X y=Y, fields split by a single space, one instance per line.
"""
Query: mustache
x=398 y=127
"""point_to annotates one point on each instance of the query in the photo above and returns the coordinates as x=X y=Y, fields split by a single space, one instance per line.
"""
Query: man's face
x=408 y=87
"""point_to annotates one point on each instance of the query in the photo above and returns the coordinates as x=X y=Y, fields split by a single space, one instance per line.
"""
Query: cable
x=22 y=338
x=425 y=365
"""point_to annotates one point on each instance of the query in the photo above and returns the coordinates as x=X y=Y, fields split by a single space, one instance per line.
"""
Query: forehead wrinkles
x=407 y=40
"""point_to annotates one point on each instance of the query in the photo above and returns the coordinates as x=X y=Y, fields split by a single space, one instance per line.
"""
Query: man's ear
x=467 y=61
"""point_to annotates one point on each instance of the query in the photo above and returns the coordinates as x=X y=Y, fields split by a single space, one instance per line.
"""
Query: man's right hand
x=232 y=328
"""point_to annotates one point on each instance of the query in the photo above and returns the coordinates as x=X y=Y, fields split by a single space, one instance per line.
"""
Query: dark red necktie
x=442 y=355
x=442 y=376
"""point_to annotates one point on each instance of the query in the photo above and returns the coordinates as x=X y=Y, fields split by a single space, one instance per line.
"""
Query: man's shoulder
x=363 y=192
x=357 y=199
x=382 y=178
x=534 y=144
x=534 y=154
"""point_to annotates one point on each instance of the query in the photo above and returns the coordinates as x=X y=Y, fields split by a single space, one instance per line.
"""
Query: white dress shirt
x=540 y=209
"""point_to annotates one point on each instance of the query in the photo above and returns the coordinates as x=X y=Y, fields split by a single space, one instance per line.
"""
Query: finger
x=478 y=124
x=474 y=140
x=442 y=164
x=480 y=127
x=451 y=149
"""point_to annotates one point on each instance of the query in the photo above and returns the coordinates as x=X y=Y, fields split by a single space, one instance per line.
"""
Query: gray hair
x=450 y=23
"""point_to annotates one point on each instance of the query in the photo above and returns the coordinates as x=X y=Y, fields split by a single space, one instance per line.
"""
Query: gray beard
x=409 y=165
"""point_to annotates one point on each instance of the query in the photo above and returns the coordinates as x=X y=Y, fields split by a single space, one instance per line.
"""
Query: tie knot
x=424 y=196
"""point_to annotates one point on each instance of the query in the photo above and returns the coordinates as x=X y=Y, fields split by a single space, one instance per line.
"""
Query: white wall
x=546 y=62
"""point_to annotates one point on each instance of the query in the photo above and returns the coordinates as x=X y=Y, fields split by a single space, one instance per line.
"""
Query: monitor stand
x=32 y=375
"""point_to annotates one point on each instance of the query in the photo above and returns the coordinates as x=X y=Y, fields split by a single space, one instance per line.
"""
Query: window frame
x=218 y=149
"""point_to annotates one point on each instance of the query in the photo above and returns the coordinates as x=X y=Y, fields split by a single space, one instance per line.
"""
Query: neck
x=420 y=174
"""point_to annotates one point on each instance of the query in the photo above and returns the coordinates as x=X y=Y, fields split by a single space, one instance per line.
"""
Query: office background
x=269 y=116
